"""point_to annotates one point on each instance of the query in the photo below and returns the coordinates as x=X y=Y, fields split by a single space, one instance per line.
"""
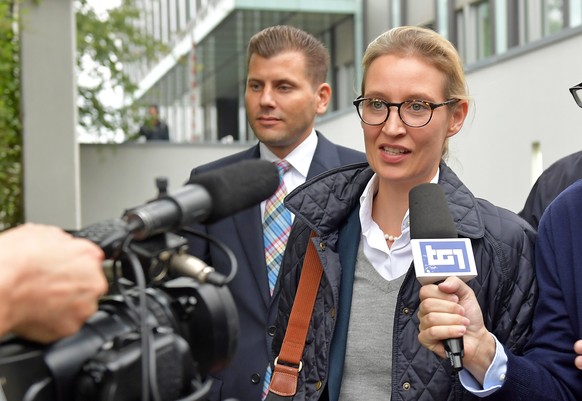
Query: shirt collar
x=368 y=196
x=300 y=158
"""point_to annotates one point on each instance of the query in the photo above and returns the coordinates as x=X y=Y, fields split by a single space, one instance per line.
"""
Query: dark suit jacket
x=243 y=234
x=559 y=176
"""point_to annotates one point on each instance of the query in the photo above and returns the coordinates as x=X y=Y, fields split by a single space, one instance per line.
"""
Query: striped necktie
x=276 y=227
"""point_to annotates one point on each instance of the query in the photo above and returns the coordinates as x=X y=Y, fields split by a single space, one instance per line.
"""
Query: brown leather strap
x=288 y=363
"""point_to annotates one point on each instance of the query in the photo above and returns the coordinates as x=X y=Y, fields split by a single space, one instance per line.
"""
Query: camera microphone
x=206 y=198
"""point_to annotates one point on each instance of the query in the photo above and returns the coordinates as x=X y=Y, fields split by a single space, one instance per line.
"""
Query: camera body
x=168 y=320
x=192 y=328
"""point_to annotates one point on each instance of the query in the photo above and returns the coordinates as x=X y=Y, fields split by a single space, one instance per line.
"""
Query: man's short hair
x=277 y=39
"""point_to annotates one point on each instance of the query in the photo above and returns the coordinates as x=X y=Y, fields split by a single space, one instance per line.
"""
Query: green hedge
x=11 y=197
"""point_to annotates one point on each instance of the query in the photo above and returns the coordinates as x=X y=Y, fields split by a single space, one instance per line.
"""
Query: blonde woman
x=362 y=341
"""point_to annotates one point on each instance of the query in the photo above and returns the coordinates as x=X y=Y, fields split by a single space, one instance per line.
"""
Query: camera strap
x=283 y=384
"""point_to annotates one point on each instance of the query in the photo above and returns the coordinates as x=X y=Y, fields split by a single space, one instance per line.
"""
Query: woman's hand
x=450 y=310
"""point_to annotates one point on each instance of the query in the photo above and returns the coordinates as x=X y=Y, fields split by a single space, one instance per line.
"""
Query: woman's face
x=396 y=152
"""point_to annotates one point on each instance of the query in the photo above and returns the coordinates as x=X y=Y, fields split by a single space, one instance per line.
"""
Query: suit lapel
x=325 y=157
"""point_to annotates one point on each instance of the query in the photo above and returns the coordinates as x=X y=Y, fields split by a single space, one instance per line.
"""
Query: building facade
x=521 y=56
x=200 y=84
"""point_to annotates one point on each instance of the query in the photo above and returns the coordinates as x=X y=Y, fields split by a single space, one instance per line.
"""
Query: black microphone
x=437 y=251
x=206 y=198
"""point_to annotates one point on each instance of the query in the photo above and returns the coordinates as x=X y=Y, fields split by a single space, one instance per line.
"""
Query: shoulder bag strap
x=288 y=363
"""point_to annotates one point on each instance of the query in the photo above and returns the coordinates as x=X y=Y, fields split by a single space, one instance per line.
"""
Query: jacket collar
x=462 y=204
x=325 y=202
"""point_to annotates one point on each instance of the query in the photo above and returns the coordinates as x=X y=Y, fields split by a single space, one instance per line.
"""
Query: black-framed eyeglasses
x=414 y=113
x=576 y=92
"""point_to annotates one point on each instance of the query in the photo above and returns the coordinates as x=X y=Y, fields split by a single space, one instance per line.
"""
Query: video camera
x=168 y=319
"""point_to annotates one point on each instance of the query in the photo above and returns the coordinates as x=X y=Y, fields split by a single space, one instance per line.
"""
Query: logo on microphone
x=436 y=259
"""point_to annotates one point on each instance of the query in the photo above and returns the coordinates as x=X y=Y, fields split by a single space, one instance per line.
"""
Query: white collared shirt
x=393 y=262
x=300 y=160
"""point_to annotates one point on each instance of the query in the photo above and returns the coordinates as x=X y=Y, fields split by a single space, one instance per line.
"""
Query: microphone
x=206 y=198
x=437 y=251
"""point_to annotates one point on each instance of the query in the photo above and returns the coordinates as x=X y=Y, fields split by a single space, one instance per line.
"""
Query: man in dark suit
x=285 y=91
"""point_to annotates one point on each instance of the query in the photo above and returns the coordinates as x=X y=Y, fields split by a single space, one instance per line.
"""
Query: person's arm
x=546 y=370
x=50 y=282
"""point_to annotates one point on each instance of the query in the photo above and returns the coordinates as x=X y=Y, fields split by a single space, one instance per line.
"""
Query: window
x=395 y=13
x=575 y=13
x=501 y=26
x=552 y=16
x=163 y=19
x=442 y=21
x=461 y=39
x=484 y=32
x=537 y=165
x=339 y=39
x=474 y=31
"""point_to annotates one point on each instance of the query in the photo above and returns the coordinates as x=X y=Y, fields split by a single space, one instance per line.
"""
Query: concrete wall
x=51 y=152
x=119 y=177
x=519 y=101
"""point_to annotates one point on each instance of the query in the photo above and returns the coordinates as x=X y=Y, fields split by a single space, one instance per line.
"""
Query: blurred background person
x=154 y=128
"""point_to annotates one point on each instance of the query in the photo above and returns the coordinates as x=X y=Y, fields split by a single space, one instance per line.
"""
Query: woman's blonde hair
x=426 y=44
x=423 y=43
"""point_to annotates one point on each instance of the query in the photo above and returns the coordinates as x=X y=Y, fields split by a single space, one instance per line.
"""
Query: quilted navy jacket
x=503 y=245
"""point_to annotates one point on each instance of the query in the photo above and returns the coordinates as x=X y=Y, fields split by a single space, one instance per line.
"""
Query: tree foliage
x=11 y=201
x=106 y=45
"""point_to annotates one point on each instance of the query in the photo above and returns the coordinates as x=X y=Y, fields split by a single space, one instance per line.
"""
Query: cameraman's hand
x=450 y=310
x=50 y=282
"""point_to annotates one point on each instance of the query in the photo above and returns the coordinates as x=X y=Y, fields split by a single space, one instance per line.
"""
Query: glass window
x=395 y=13
x=183 y=14
x=172 y=19
x=537 y=165
x=155 y=20
x=163 y=18
x=575 y=13
x=442 y=20
x=501 y=25
x=484 y=43
x=553 y=16
x=461 y=36
x=339 y=39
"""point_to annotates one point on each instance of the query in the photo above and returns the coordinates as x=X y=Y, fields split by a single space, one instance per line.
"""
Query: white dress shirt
x=300 y=160
x=393 y=262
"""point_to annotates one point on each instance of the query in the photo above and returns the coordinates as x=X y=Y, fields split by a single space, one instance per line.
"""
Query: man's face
x=153 y=112
x=281 y=101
